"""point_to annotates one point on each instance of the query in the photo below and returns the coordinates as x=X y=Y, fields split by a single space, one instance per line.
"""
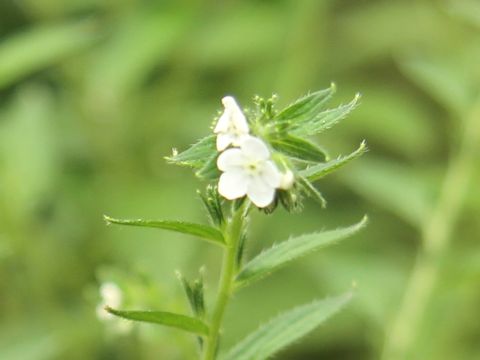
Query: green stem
x=232 y=236
x=436 y=236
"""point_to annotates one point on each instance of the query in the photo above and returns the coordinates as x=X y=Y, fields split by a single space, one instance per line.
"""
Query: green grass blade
x=202 y=231
x=285 y=329
x=290 y=250
x=42 y=46
x=178 y=321
x=316 y=172
x=392 y=187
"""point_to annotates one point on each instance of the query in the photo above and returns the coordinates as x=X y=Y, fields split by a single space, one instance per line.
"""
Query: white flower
x=232 y=127
x=249 y=171
x=112 y=296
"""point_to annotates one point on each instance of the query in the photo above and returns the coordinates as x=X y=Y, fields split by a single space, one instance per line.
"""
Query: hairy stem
x=436 y=236
x=232 y=236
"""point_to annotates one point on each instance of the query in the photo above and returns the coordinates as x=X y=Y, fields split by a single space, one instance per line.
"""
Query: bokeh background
x=93 y=94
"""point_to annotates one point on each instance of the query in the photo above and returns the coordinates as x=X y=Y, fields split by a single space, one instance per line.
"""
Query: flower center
x=252 y=167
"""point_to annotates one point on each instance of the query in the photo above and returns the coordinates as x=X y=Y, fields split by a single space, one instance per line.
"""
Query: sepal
x=194 y=290
x=213 y=204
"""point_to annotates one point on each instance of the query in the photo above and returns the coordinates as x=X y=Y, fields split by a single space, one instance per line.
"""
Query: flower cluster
x=247 y=166
x=268 y=154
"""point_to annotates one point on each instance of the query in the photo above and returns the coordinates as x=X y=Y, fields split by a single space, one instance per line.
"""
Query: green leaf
x=209 y=171
x=124 y=61
x=202 y=231
x=285 y=329
x=392 y=187
x=316 y=172
x=324 y=120
x=292 y=249
x=443 y=79
x=307 y=104
x=197 y=155
x=178 y=321
x=299 y=148
x=468 y=10
x=311 y=191
x=41 y=47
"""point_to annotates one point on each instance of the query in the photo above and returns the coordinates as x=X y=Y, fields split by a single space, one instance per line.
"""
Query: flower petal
x=270 y=174
x=238 y=139
x=222 y=123
x=229 y=102
x=255 y=148
x=232 y=118
x=260 y=192
x=233 y=184
x=231 y=160
x=223 y=140
x=236 y=114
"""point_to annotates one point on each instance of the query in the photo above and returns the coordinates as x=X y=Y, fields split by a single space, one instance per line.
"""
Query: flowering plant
x=257 y=158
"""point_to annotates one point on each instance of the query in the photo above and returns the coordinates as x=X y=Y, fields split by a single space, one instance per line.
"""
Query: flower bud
x=287 y=179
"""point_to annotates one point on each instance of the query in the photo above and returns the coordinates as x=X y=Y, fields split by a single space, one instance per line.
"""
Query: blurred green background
x=93 y=94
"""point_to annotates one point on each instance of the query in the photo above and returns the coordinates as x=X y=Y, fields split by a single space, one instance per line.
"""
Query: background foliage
x=93 y=94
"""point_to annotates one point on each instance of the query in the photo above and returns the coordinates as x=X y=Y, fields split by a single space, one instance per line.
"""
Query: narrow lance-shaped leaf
x=178 y=321
x=197 y=154
x=306 y=105
x=286 y=329
x=324 y=120
x=311 y=191
x=292 y=249
x=202 y=231
x=316 y=172
x=299 y=148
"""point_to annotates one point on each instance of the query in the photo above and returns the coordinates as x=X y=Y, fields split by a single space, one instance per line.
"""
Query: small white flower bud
x=287 y=180
x=111 y=294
